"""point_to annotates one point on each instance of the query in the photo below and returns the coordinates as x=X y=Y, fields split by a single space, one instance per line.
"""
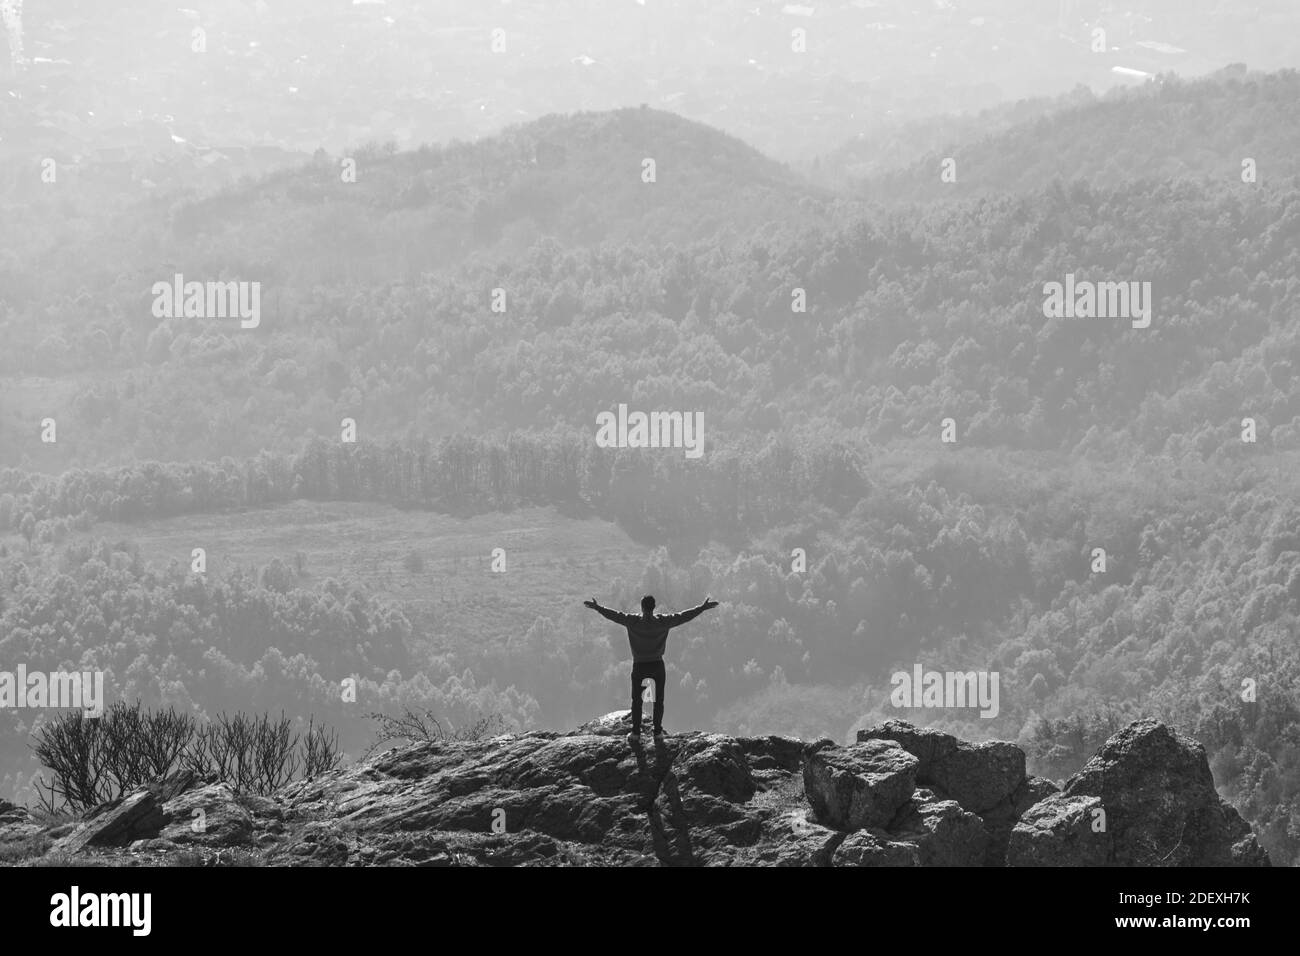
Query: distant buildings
x=11 y=17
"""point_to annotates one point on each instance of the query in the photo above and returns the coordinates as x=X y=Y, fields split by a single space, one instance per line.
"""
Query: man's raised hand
x=708 y=604
x=591 y=604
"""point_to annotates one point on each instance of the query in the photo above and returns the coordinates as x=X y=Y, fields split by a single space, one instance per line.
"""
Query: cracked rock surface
x=899 y=796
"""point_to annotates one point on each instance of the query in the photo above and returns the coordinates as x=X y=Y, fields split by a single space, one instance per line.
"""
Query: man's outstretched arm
x=692 y=613
x=616 y=616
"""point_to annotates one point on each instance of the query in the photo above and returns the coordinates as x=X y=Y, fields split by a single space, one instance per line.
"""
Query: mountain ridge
x=373 y=214
x=1191 y=129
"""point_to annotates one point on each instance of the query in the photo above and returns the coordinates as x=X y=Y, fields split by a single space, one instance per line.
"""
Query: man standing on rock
x=647 y=633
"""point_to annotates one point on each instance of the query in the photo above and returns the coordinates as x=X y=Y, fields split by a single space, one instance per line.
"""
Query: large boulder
x=943 y=833
x=1161 y=808
x=865 y=785
x=133 y=817
x=210 y=815
x=978 y=776
x=926 y=745
x=1060 y=831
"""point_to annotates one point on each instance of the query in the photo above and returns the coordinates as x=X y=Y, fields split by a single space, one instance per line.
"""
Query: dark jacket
x=648 y=635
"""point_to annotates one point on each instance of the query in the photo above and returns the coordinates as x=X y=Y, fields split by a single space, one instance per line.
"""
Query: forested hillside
x=906 y=324
x=374 y=215
x=1165 y=130
x=824 y=339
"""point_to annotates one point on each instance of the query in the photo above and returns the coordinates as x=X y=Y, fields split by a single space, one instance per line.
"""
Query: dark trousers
x=641 y=670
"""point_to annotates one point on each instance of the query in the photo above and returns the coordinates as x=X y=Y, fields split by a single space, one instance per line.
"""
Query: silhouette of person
x=647 y=633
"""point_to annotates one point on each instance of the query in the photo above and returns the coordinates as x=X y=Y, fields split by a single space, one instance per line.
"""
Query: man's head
x=647 y=605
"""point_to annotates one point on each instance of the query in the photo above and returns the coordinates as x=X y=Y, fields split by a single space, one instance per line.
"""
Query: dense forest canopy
x=823 y=429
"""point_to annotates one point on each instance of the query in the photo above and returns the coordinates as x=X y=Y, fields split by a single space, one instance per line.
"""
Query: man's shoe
x=660 y=735
x=634 y=739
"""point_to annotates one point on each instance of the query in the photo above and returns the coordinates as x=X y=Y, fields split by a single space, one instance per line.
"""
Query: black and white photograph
x=734 y=435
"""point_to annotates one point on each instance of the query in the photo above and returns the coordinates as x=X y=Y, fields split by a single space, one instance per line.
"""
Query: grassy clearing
x=553 y=562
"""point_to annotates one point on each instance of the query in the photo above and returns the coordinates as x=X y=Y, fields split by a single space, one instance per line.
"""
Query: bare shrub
x=320 y=750
x=412 y=726
x=252 y=754
x=95 y=761
x=71 y=747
